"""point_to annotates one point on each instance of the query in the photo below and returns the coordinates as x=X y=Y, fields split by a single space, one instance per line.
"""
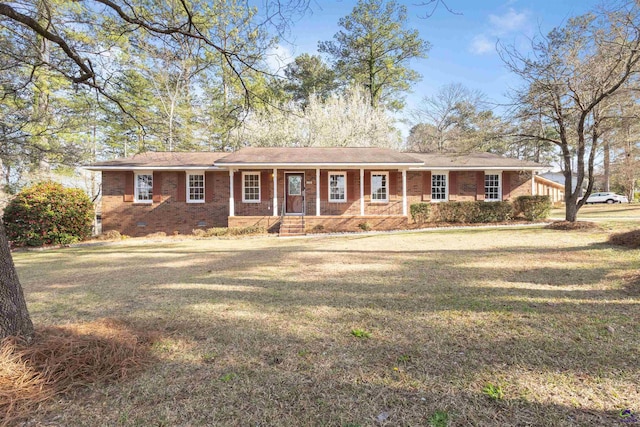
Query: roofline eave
x=318 y=165
x=153 y=168
x=476 y=168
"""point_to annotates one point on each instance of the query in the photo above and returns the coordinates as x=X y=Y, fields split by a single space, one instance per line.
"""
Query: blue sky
x=463 y=46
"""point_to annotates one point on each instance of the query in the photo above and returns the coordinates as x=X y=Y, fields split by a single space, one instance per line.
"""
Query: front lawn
x=358 y=330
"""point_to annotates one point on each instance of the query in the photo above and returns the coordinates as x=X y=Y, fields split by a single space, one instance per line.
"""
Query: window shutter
x=264 y=185
x=426 y=186
x=324 y=185
x=209 y=179
x=479 y=185
x=453 y=184
x=128 y=186
x=181 y=190
x=393 y=185
x=353 y=191
x=237 y=186
x=367 y=184
x=506 y=185
x=157 y=187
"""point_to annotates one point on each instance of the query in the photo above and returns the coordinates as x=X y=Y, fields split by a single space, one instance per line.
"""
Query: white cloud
x=481 y=44
x=508 y=23
x=277 y=59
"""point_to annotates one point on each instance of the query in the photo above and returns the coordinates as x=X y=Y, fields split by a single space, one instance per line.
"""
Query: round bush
x=47 y=213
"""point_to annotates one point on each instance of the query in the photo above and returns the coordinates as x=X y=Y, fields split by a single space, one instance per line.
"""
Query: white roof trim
x=154 y=168
x=350 y=165
x=479 y=168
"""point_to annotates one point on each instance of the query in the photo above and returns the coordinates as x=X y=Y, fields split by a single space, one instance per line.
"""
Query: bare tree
x=570 y=75
x=455 y=118
x=72 y=54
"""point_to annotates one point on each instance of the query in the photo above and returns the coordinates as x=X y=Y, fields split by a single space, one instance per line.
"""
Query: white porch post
x=232 y=202
x=275 y=192
x=317 y=192
x=533 y=183
x=404 y=192
x=361 y=192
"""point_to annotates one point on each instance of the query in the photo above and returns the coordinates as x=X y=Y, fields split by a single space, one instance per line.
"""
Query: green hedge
x=472 y=212
x=48 y=213
x=532 y=207
x=420 y=212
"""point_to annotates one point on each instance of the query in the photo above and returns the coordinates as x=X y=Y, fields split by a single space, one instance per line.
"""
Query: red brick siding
x=351 y=223
x=168 y=215
x=462 y=186
x=262 y=208
x=271 y=223
x=519 y=184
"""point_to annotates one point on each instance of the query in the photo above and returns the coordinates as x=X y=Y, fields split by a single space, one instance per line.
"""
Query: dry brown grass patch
x=62 y=359
x=577 y=225
x=630 y=239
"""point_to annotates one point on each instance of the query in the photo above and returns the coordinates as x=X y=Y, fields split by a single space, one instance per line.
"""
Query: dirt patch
x=65 y=358
x=630 y=239
x=577 y=225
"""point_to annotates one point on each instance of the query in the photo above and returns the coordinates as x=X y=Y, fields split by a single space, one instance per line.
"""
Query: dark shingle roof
x=318 y=156
x=159 y=160
x=314 y=156
x=473 y=161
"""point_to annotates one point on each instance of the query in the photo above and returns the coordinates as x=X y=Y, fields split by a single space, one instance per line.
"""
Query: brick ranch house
x=297 y=189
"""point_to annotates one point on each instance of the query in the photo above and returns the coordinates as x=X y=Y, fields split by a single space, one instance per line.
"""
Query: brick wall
x=168 y=215
x=351 y=223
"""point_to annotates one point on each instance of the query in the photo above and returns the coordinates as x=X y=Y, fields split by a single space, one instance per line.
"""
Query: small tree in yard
x=569 y=80
x=47 y=213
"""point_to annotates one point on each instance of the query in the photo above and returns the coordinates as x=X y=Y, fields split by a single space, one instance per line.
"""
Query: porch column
x=275 y=192
x=404 y=192
x=232 y=202
x=317 y=192
x=533 y=183
x=361 y=192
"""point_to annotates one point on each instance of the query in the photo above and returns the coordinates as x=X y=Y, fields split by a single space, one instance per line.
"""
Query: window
x=379 y=186
x=251 y=187
x=195 y=188
x=492 y=186
x=143 y=188
x=438 y=187
x=337 y=187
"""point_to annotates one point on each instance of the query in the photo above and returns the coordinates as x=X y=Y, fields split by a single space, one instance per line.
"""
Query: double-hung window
x=379 y=186
x=195 y=187
x=143 y=187
x=337 y=187
x=492 y=186
x=439 y=187
x=251 y=187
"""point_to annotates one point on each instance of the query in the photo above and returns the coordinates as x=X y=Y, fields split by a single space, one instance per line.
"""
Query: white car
x=606 y=197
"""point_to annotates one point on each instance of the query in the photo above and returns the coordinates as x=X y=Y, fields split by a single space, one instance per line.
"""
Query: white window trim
x=259 y=187
x=446 y=186
x=136 y=195
x=329 y=187
x=386 y=200
x=499 y=173
x=204 y=196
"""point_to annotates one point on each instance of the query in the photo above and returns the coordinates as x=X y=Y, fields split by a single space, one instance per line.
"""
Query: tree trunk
x=14 y=316
x=607 y=165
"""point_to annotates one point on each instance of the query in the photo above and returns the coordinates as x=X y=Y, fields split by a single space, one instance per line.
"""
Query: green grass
x=256 y=331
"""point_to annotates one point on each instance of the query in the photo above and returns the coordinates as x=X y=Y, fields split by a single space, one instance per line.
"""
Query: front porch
x=327 y=223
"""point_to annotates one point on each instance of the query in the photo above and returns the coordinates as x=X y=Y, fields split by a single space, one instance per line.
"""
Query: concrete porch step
x=292 y=226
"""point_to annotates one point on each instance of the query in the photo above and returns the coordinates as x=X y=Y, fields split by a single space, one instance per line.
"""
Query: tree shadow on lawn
x=279 y=377
x=298 y=276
